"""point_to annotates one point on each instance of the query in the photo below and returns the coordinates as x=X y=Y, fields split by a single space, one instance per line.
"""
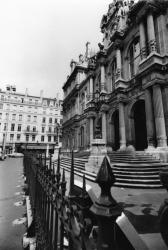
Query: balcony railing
x=30 y=131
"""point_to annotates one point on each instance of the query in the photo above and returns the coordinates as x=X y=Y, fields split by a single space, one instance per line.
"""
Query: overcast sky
x=38 y=39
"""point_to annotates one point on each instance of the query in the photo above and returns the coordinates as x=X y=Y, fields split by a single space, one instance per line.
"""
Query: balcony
x=51 y=132
x=34 y=132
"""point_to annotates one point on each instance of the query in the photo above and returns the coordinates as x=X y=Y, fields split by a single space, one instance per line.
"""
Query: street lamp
x=99 y=99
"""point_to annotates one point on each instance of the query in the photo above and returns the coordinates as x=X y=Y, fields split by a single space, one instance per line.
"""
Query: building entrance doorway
x=140 y=125
x=115 y=118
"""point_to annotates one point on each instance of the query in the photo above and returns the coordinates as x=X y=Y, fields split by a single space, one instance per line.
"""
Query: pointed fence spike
x=58 y=163
x=84 y=186
x=50 y=160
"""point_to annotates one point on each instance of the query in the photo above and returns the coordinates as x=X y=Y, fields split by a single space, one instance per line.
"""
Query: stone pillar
x=91 y=130
x=91 y=88
x=165 y=105
x=142 y=40
x=151 y=33
x=104 y=132
x=118 y=59
x=159 y=117
x=102 y=78
x=122 y=126
x=149 y=119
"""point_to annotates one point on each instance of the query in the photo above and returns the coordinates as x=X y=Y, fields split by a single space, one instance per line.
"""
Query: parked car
x=16 y=155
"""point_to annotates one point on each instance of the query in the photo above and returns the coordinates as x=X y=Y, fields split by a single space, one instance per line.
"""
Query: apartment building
x=27 y=121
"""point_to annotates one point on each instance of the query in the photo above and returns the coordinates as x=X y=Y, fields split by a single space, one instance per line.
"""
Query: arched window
x=113 y=72
x=134 y=57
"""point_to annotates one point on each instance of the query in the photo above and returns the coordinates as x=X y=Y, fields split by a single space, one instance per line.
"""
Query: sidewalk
x=141 y=207
x=12 y=204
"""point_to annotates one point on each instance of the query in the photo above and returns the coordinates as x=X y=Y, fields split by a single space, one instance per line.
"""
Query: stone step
x=128 y=175
x=141 y=165
x=132 y=161
x=134 y=176
x=136 y=172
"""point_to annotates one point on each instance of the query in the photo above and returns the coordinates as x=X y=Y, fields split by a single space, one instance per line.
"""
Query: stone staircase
x=138 y=170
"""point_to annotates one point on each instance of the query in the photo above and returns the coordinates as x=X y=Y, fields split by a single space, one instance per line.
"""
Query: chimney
x=26 y=92
x=41 y=94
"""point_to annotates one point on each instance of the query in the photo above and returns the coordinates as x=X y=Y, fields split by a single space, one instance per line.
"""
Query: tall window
x=43 y=120
x=27 y=137
x=12 y=127
x=28 y=128
x=49 y=138
x=33 y=137
x=28 y=118
x=35 y=118
x=18 y=137
x=1 y=105
x=11 y=137
x=34 y=129
x=5 y=126
x=13 y=117
x=55 y=120
x=43 y=129
x=50 y=120
x=50 y=129
x=0 y=115
x=20 y=118
x=134 y=58
x=42 y=138
x=19 y=127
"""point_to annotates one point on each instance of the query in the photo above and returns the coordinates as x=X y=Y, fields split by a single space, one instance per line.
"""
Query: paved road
x=12 y=205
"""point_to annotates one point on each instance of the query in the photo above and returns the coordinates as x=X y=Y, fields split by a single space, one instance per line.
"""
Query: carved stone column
x=91 y=129
x=151 y=33
x=122 y=126
x=159 y=117
x=118 y=59
x=104 y=132
x=149 y=119
x=142 y=40
x=102 y=78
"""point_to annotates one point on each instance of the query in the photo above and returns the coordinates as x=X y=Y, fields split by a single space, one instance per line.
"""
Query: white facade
x=29 y=120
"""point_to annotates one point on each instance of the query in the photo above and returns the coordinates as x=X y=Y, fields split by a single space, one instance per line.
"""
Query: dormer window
x=134 y=58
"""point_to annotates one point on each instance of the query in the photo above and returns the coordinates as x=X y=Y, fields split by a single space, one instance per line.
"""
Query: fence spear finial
x=71 y=187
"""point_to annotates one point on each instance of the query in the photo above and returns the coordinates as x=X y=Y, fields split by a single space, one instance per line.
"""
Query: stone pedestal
x=97 y=153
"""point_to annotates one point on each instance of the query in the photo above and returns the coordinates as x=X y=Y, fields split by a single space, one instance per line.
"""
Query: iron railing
x=65 y=212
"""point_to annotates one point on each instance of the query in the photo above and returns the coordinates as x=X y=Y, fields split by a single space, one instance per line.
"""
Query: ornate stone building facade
x=117 y=99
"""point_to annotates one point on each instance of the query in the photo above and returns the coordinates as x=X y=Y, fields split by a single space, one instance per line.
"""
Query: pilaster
x=104 y=132
x=151 y=33
x=149 y=119
x=122 y=126
x=102 y=78
x=159 y=117
x=118 y=59
x=143 y=49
